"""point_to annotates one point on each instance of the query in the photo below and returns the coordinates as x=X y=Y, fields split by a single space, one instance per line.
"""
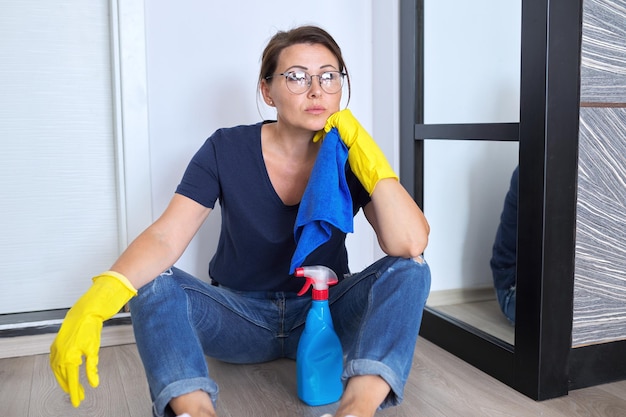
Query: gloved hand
x=366 y=159
x=80 y=332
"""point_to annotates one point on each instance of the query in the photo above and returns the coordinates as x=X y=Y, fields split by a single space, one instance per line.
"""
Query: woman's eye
x=296 y=76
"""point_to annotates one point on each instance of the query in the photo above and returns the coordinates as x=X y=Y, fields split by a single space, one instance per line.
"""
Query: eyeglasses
x=299 y=82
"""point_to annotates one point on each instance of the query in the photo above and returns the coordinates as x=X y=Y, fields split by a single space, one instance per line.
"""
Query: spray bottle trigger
x=307 y=285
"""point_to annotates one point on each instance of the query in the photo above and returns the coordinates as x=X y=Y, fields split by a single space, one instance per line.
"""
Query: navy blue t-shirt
x=256 y=241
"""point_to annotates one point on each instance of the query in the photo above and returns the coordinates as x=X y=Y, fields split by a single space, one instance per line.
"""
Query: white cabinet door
x=64 y=211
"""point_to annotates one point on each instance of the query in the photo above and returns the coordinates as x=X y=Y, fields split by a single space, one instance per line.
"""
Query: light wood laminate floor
x=440 y=385
x=484 y=315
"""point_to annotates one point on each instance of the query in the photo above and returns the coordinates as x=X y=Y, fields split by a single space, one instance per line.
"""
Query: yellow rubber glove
x=79 y=334
x=366 y=159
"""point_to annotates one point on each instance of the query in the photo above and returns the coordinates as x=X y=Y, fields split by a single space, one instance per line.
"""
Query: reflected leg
x=506 y=300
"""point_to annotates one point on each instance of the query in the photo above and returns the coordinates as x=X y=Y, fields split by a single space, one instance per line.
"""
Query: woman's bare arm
x=162 y=243
x=400 y=225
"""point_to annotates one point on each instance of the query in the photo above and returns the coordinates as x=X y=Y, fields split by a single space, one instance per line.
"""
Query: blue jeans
x=178 y=319
x=506 y=300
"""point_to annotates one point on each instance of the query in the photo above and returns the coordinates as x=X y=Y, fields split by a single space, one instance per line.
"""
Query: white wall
x=202 y=62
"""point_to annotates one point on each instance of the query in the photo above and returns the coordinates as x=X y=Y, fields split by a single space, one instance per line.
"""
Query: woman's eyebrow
x=326 y=66
x=297 y=67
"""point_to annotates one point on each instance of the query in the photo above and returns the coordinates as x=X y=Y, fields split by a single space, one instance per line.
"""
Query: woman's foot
x=196 y=404
x=362 y=396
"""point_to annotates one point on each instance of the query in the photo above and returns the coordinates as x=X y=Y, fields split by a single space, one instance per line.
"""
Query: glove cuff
x=369 y=164
x=121 y=278
x=380 y=174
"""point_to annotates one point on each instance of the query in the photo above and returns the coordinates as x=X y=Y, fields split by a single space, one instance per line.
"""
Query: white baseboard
x=11 y=347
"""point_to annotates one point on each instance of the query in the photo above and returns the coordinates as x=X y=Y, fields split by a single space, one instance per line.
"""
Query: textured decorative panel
x=603 y=71
x=600 y=270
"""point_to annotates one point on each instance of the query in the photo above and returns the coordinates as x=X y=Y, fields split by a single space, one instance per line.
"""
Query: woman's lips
x=315 y=110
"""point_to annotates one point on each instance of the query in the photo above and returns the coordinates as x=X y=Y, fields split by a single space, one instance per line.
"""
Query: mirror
x=471 y=76
x=463 y=206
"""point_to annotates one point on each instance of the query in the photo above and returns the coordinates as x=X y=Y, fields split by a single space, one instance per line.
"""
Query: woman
x=259 y=174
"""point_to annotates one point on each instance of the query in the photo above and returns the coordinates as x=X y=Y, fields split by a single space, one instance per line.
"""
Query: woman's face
x=310 y=109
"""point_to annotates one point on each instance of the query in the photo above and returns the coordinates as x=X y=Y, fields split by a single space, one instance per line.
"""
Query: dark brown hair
x=303 y=34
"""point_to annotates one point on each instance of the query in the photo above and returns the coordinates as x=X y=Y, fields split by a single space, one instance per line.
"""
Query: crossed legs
x=375 y=370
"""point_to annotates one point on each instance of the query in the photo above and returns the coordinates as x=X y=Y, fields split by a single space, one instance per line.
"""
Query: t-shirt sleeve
x=200 y=181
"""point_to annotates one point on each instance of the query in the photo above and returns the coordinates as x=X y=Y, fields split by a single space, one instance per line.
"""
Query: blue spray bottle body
x=319 y=360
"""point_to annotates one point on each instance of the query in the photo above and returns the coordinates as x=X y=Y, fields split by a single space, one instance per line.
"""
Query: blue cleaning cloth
x=326 y=200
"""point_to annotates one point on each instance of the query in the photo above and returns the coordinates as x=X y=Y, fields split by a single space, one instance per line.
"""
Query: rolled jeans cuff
x=182 y=387
x=360 y=367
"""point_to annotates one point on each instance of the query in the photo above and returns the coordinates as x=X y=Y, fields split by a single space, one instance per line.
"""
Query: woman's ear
x=265 y=92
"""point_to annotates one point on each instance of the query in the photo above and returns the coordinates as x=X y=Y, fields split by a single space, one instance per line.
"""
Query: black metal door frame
x=538 y=364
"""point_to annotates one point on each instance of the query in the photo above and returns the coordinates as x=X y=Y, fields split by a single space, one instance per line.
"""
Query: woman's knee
x=164 y=286
x=413 y=274
x=409 y=267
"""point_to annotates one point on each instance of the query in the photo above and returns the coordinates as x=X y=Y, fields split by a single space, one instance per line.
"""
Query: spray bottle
x=319 y=360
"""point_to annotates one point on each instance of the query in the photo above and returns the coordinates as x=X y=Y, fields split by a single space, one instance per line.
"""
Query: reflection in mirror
x=465 y=185
x=504 y=254
x=471 y=75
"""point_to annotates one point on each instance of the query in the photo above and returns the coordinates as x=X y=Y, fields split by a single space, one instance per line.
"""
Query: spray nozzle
x=318 y=276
